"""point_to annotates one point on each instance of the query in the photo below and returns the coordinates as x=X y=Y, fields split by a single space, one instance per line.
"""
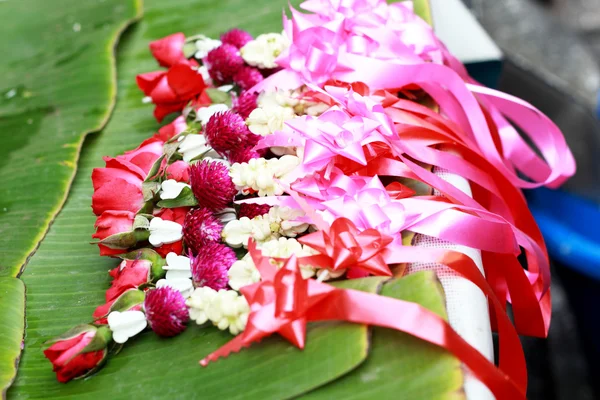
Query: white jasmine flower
x=204 y=45
x=183 y=285
x=315 y=109
x=226 y=309
x=285 y=248
x=279 y=97
x=164 y=232
x=170 y=189
x=262 y=51
x=126 y=324
x=266 y=120
x=192 y=146
x=198 y=302
x=177 y=266
x=203 y=114
x=283 y=220
x=237 y=232
x=261 y=175
x=229 y=310
x=242 y=273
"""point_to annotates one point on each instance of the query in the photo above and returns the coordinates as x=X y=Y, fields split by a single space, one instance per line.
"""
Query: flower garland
x=291 y=163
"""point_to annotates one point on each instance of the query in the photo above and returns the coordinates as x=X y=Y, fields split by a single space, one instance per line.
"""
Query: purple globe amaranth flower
x=236 y=37
x=247 y=77
x=210 y=265
x=166 y=311
x=227 y=132
x=212 y=185
x=246 y=103
x=223 y=63
x=253 y=210
x=200 y=227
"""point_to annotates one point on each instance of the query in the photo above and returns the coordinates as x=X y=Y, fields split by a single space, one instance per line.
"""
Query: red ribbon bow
x=343 y=247
x=283 y=303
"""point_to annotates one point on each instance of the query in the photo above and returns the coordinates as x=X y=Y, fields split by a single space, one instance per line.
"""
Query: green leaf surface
x=156 y=368
x=58 y=83
x=66 y=278
x=401 y=366
x=12 y=326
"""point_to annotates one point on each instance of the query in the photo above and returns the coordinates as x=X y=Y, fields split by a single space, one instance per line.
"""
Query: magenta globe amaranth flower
x=210 y=265
x=200 y=227
x=247 y=77
x=166 y=311
x=227 y=132
x=212 y=185
x=223 y=63
x=246 y=103
x=243 y=156
x=250 y=210
x=236 y=37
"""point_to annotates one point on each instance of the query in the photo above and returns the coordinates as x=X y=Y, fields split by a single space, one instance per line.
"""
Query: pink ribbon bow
x=283 y=303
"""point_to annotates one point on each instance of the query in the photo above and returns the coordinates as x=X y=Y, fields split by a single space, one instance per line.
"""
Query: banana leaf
x=66 y=278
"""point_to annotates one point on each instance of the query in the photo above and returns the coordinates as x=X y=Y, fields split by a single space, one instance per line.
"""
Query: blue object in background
x=571 y=228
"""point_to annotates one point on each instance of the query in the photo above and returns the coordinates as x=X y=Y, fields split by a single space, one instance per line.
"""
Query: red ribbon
x=343 y=247
x=283 y=303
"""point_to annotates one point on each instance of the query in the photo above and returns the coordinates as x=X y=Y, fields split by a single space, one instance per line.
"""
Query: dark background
x=552 y=53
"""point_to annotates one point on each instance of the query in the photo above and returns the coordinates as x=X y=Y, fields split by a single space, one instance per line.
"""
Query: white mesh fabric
x=467 y=305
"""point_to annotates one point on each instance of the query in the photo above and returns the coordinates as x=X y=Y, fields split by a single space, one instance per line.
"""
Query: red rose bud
x=145 y=154
x=227 y=132
x=172 y=90
x=223 y=62
x=176 y=215
x=210 y=266
x=236 y=37
x=112 y=223
x=245 y=104
x=166 y=311
x=174 y=128
x=168 y=51
x=78 y=352
x=253 y=210
x=128 y=275
x=212 y=185
x=201 y=227
x=247 y=77
x=180 y=171
x=130 y=300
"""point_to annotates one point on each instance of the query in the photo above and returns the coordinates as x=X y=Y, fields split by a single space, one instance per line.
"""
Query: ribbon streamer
x=283 y=302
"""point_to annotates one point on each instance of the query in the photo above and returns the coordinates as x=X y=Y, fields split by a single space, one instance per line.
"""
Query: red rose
x=174 y=128
x=180 y=171
x=110 y=223
x=145 y=154
x=128 y=275
x=176 y=215
x=68 y=354
x=118 y=186
x=168 y=51
x=172 y=90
